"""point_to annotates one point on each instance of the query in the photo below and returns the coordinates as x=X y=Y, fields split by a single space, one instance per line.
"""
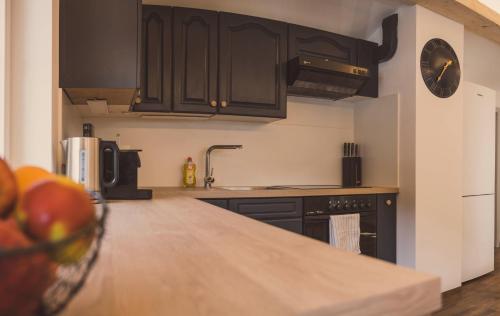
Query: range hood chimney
x=389 y=38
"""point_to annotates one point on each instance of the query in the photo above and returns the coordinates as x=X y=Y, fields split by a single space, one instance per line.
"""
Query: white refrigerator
x=478 y=181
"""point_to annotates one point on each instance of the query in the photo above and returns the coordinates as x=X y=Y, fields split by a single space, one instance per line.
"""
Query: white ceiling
x=357 y=18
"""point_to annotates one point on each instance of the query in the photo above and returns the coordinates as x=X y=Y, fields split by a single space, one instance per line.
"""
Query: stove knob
x=338 y=207
x=354 y=206
x=347 y=206
x=362 y=205
x=369 y=205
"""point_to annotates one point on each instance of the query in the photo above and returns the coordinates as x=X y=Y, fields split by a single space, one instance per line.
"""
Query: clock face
x=440 y=68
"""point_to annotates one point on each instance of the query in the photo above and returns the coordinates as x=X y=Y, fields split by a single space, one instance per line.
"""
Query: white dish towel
x=345 y=232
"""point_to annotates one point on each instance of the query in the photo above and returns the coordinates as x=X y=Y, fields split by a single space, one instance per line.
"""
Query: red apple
x=23 y=278
x=55 y=210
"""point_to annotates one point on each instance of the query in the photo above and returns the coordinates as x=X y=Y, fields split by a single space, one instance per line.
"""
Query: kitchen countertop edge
x=220 y=193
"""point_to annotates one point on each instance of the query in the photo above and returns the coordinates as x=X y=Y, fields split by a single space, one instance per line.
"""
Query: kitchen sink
x=243 y=188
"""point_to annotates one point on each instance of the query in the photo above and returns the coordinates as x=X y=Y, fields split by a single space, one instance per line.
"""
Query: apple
x=8 y=189
x=56 y=209
x=23 y=278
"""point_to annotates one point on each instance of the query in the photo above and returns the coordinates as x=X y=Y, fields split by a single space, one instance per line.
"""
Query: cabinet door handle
x=213 y=103
x=388 y=202
x=223 y=104
x=372 y=235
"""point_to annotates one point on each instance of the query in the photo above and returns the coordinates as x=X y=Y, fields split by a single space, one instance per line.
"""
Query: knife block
x=351 y=171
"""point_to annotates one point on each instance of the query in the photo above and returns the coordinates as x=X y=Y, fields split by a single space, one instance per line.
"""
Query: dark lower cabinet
x=195 y=60
x=285 y=213
x=156 y=61
x=293 y=225
x=252 y=70
x=386 y=227
x=217 y=202
x=378 y=227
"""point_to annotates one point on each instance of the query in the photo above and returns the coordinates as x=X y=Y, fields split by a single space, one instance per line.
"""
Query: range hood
x=324 y=78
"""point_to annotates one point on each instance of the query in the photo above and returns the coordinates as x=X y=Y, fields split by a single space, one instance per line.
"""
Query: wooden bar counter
x=175 y=255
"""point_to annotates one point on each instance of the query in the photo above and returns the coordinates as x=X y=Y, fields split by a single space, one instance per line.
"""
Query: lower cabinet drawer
x=293 y=225
x=217 y=202
x=272 y=208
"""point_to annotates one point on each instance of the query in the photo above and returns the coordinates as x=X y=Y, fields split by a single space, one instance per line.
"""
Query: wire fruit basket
x=69 y=278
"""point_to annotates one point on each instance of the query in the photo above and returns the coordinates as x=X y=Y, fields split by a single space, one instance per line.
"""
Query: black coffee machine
x=126 y=187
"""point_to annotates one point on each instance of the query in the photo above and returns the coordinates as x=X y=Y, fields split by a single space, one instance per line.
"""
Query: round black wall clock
x=440 y=68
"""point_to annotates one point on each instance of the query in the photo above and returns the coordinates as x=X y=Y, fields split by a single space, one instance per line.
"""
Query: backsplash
x=305 y=148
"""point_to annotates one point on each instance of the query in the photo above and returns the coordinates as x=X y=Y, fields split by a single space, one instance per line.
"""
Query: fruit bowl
x=69 y=278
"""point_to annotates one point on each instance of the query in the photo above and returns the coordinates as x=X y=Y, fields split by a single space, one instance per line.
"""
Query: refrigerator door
x=478 y=236
x=479 y=140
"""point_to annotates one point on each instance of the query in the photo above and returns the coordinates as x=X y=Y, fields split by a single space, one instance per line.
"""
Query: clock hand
x=448 y=64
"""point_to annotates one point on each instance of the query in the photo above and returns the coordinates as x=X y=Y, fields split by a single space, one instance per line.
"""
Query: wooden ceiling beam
x=474 y=15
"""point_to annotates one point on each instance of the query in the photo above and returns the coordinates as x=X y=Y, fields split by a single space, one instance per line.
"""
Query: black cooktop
x=310 y=187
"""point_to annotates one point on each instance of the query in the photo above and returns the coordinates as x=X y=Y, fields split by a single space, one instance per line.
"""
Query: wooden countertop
x=180 y=256
x=220 y=193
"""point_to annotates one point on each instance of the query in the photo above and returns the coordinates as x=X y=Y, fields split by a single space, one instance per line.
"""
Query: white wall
x=439 y=162
x=376 y=130
x=4 y=73
x=482 y=61
x=31 y=83
x=397 y=76
x=306 y=148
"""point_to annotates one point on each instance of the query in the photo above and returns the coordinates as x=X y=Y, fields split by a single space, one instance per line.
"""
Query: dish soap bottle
x=189 y=173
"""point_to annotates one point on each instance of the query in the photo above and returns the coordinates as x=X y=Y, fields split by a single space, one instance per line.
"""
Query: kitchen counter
x=219 y=193
x=178 y=256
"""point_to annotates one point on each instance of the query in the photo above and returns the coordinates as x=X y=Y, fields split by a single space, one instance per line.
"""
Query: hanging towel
x=345 y=232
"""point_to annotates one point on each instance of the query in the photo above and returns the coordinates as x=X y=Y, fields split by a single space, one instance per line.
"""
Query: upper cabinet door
x=99 y=43
x=195 y=60
x=252 y=77
x=156 y=63
x=308 y=41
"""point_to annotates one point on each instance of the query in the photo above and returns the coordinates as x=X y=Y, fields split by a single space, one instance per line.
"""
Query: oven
x=318 y=209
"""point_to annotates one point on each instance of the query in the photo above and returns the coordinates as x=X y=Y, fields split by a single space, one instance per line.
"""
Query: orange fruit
x=8 y=189
x=26 y=177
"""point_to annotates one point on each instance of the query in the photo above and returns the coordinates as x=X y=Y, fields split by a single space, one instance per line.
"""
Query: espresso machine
x=126 y=187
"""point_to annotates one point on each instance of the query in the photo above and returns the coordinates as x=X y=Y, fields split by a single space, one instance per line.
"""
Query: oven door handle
x=371 y=235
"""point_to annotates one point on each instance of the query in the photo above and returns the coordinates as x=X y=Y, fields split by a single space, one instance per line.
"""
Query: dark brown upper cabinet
x=252 y=70
x=308 y=41
x=195 y=61
x=156 y=61
x=99 y=50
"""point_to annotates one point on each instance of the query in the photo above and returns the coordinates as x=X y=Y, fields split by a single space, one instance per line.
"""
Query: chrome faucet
x=209 y=172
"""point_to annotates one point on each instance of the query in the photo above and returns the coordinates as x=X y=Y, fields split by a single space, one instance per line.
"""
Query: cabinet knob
x=388 y=202
x=213 y=103
x=138 y=100
x=223 y=104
